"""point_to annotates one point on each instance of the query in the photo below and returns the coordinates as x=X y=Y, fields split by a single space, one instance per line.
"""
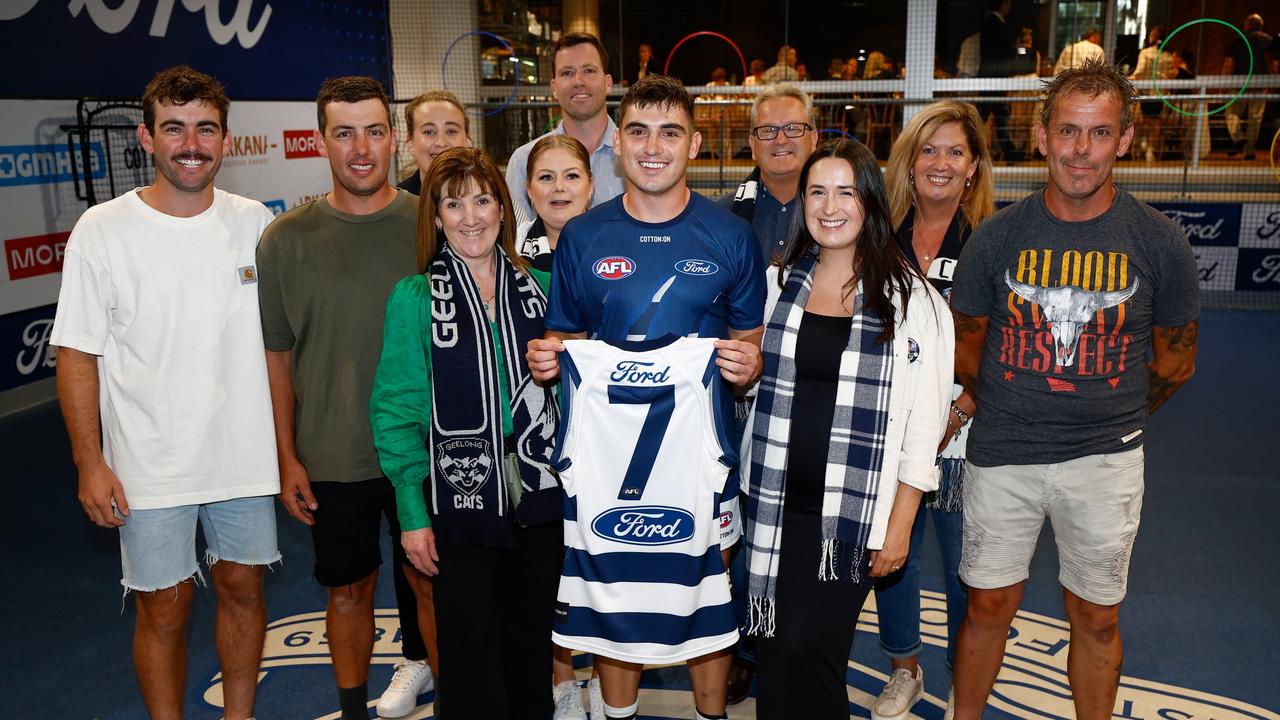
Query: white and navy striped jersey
x=643 y=459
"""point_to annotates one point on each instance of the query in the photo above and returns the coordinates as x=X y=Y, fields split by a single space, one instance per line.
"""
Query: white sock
x=622 y=713
x=698 y=714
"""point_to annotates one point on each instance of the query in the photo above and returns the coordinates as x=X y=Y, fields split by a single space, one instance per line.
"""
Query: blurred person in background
x=997 y=59
x=1244 y=118
x=1163 y=65
x=1088 y=47
x=785 y=69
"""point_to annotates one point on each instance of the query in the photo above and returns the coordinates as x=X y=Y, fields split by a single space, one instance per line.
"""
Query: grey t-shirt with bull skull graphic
x=1070 y=308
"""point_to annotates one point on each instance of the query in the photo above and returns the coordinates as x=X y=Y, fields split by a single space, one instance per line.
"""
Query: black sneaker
x=740 y=677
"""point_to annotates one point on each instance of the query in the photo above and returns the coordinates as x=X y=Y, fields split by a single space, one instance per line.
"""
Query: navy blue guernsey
x=619 y=279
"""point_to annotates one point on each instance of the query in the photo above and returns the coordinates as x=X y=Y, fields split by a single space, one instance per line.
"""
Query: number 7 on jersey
x=662 y=402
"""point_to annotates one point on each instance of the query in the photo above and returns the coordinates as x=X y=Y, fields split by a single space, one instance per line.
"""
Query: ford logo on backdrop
x=697 y=267
x=649 y=525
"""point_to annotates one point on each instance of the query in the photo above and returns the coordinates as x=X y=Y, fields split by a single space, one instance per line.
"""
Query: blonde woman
x=559 y=184
x=940 y=187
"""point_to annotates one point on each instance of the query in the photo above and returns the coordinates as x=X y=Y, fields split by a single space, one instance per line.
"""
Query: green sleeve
x=543 y=279
x=400 y=408
x=504 y=385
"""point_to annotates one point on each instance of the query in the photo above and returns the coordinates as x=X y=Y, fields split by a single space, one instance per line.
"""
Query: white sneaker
x=568 y=697
x=899 y=695
x=950 y=712
x=595 y=699
x=412 y=678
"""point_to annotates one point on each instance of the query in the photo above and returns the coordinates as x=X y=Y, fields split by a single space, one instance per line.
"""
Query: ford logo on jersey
x=697 y=267
x=614 y=267
x=650 y=525
x=639 y=371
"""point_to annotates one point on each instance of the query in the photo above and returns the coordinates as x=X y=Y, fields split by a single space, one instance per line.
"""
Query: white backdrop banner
x=273 y=159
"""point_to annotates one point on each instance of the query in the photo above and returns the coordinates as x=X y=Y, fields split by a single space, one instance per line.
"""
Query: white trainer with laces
x=568 y=697
x=411 y=679
x=595 y=698
x=901 y=692
x=950 y=712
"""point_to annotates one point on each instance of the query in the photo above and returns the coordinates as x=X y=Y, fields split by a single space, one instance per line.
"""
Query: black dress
x=801 y=670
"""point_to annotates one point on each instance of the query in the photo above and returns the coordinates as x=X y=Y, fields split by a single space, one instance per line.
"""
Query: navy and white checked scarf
x=469 y=492
x=854 y=456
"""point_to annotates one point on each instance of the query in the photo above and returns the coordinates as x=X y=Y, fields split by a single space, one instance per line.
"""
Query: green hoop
x=1167 y=40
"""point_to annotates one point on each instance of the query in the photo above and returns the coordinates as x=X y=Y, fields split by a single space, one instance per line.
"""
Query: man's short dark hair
x=660 y=90
x=579 y=38
x=180 y=85
x=349 y=89
x=1095 y=77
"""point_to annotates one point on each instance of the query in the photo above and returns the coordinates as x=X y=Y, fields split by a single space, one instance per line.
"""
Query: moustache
x=193 y=156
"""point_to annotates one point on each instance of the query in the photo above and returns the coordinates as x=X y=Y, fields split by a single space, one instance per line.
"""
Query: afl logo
x=614 y=267
x=652 y=525
x=697 y=267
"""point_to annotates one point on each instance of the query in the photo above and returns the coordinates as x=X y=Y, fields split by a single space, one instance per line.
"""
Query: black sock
x=354 y=702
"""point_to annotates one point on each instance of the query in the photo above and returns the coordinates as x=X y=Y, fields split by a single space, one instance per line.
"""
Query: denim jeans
x=898 y=595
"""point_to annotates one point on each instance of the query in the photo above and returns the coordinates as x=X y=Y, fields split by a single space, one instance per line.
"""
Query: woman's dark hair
x=878 y=261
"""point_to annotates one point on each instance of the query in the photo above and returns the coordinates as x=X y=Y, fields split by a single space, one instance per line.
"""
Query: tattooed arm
x=971 y=334
x=1173 y=361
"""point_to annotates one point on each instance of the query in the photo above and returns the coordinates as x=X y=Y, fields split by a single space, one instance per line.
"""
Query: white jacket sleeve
x=929 y=319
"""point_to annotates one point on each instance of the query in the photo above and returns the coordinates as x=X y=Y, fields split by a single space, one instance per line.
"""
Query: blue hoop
x=837 y=131
x=514 y=88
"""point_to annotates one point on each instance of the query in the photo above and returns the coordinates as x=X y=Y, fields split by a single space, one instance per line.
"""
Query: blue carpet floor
x=1201 y=623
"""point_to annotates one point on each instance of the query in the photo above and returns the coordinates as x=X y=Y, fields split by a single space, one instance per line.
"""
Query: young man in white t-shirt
x=160 y=340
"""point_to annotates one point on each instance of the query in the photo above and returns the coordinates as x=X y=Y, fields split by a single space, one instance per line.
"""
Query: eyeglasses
x=791 y=130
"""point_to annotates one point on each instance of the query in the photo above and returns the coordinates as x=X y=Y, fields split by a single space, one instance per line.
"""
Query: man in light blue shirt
x=581 y=85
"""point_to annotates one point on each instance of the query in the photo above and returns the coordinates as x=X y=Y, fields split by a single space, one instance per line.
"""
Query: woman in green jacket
x=464 y=434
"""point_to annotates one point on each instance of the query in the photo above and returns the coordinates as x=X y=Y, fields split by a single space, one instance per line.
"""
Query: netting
x=1206 y=148
x=105 y=156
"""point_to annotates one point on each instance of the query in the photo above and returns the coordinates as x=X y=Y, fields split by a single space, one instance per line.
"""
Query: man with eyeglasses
x=783 y=136
x=581 y=86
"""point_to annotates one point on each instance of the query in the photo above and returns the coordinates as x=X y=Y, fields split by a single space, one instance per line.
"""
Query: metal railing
x=1183 y=161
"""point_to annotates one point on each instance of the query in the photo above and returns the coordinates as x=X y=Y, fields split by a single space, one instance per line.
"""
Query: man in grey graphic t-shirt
x=1057 y=300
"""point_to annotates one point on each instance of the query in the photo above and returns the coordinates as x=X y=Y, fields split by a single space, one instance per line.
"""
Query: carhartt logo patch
x=248 y=275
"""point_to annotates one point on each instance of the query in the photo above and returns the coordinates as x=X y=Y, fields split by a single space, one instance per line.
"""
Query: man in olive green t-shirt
x=325 y=270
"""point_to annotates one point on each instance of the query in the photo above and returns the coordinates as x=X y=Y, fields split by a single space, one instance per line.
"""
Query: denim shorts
x=158 y=547
x=1094 y=503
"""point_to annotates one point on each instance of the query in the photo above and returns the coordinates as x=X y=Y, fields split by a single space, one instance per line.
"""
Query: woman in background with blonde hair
x=940 y=187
